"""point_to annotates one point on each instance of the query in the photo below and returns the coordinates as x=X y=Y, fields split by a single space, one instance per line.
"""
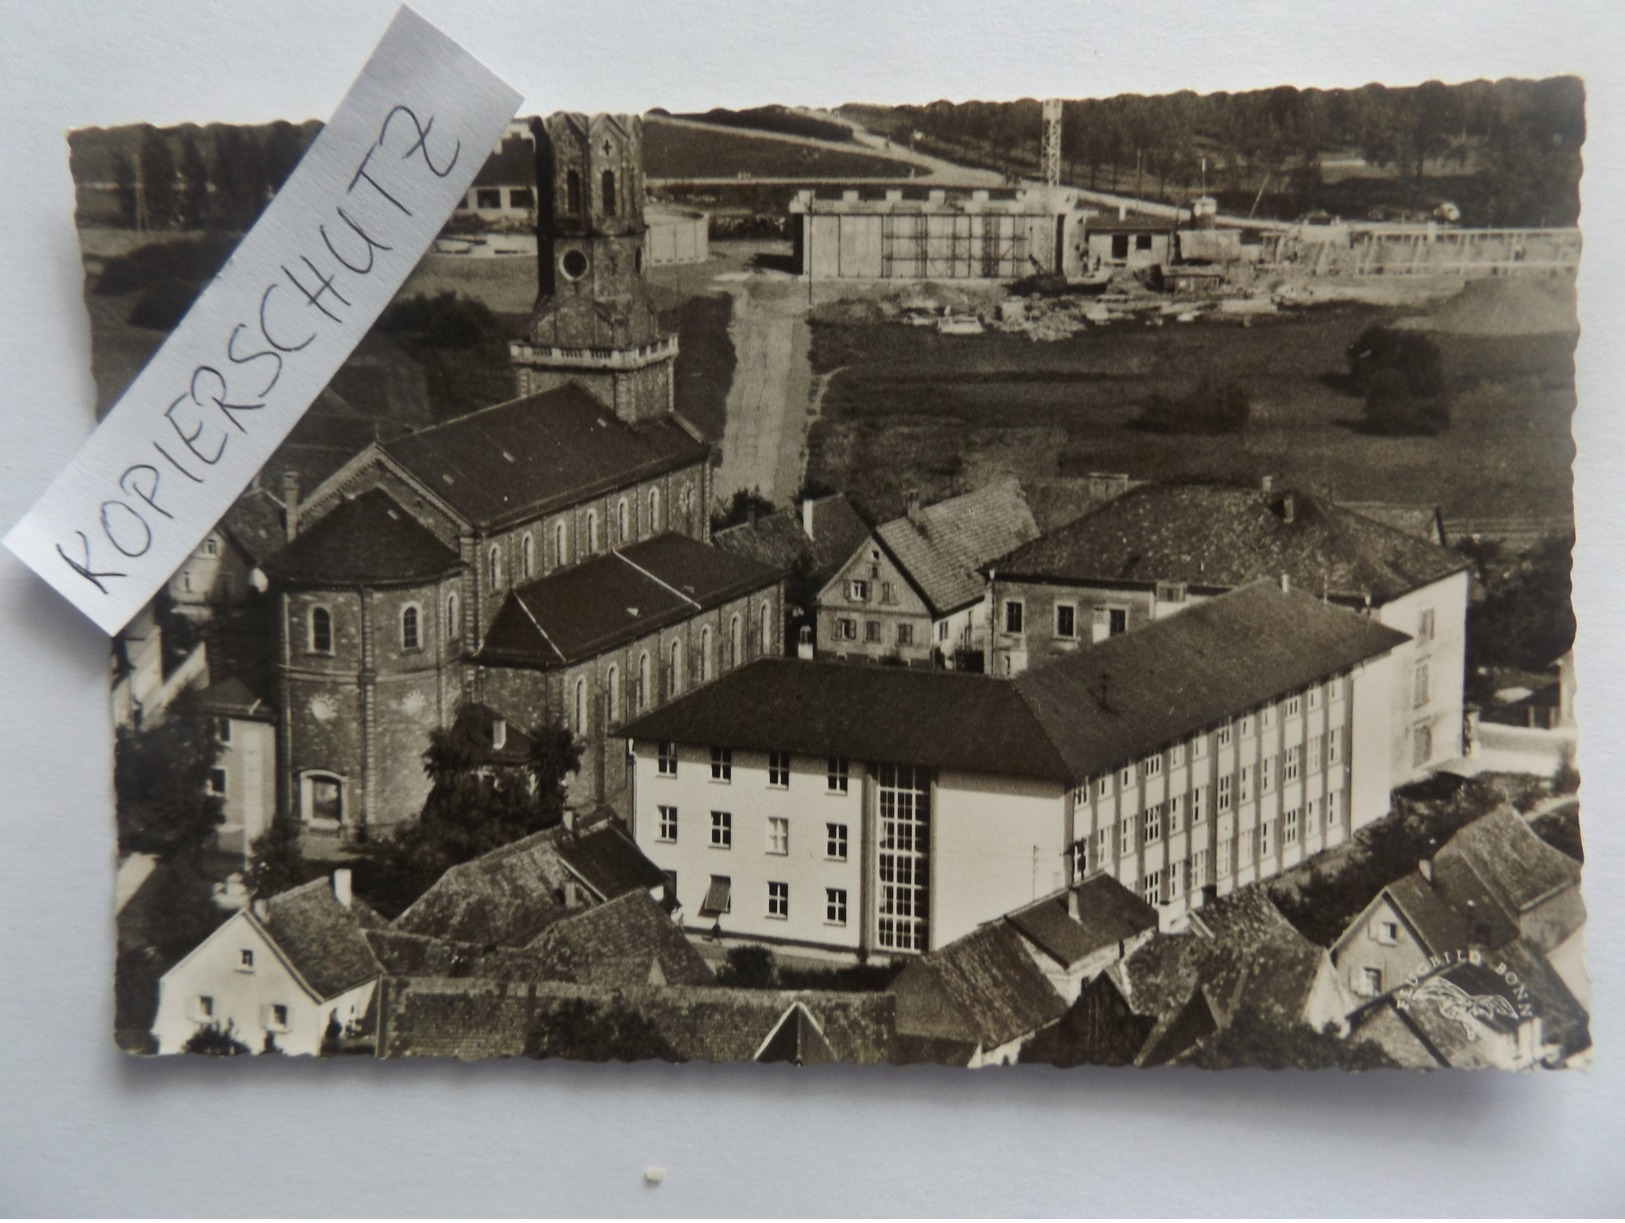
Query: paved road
x=764 y=440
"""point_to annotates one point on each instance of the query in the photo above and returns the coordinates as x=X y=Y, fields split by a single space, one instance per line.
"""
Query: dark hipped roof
x=1218 y=537
x=1139 y=691
x=1072 y=719
x=939 y=548
x=1108 y=914
x=540 y=453
x=371 y=540
x=606 y=859
x=983 y=987
x=321 y=938
x=944 y=719
x=581 y=612
x=241 y=696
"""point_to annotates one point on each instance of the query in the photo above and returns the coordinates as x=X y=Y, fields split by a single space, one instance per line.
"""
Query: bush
x=446 y=320
x=1401 y=374
x=748 y=968
x=1212 y=408
x=214 y=1041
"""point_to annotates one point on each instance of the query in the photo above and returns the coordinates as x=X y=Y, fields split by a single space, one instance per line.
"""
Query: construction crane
x=1052 y=142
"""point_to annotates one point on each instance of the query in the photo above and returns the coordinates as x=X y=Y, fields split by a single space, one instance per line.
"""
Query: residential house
x=282 y=974
x=1161 y=548
x=223 y=570
x=853 y=811
x=1239 y=971
x=982 y=993
x=1077 y=934
x=244 y=773
x=912 y=591
x=1493 y=883
x=510 y=896
x=1508 y=1010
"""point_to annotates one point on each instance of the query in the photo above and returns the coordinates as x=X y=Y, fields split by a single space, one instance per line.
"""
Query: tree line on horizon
x=1518 y=141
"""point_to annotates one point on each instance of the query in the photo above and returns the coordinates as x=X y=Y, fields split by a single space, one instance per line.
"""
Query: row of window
x=319 y=635
x=860 y=590
x=837 y=773
x=1288 y=765
x=488 y=198
x=719 y=900
x=273 y=1016
x=846 y=629
x=608 y=196
x=1163 y=820
x=776 y=830
x=625 y=533
x=1109 y=621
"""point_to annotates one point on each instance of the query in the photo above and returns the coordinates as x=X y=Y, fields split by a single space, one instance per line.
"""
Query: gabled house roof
x=983 y=987
x=1516 y=866
x=240 y=696
x=506 y=898
x=1217 y=537
x=371 y=539
x=940 y=547
x=623 y=943
x=544 y=452
x=1076 y=717
x=1107 y=914
x=322 y=940
x=579 y=613
x=254 y=524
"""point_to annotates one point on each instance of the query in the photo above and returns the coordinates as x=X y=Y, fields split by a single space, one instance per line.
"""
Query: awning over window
x=716 y=897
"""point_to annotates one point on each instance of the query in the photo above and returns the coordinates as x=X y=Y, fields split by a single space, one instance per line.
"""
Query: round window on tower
x=574 y=264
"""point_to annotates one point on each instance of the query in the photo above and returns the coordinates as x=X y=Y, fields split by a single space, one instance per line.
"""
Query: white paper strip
x=272 y=328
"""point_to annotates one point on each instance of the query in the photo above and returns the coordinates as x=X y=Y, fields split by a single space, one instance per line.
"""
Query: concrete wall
x=997 y=843
x=1434 y=722
x=962 y=240
x=242 y=998
x=249 y=761
x=676 y=237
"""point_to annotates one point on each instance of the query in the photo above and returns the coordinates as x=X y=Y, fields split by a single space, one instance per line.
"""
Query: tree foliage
x=1526 y=619
x=212 y=1040
x=161 y=776
x=276 y=862
x=444 y=320
x=748 y=967
x=1401 y=373
x=478 y=800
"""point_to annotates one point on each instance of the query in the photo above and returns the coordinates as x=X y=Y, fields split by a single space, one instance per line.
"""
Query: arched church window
x=572 y=193
x=609 y=193
x=643 y=682
x=623 y=521
x=765 y=631
x=612 y=697
x=559 y=555
x=454 y=622
x=321 y=631
x=705 y=654
x=733 y=641
x=527 y=555
x=494 y=566
x=411 y=635
x=654 y=510
x=581 y=707
x=592 y=532
x=674 y=681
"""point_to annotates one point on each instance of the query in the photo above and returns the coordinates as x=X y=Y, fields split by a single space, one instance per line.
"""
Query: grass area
x=909 y=407
x=680 y=150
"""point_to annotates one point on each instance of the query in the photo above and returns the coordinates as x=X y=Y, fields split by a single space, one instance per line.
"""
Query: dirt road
x=764 y=442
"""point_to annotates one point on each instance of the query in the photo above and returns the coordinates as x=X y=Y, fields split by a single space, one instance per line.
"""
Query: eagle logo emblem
x=1455 y=1003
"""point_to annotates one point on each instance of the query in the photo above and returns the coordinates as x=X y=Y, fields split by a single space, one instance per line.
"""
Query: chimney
x=1424 y=868
x=1072 y=904
x=260 y=909
x=569 y=819
x=1289 y=508
x=1266 y=485
x=290 y=503
x=1286 y=583
x=341 y=886
x=807 y=518
x=911 y=506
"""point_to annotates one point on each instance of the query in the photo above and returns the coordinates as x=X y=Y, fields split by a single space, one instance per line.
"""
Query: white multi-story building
x=855 y=810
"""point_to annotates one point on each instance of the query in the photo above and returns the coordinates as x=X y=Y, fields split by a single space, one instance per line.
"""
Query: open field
x=908 y=407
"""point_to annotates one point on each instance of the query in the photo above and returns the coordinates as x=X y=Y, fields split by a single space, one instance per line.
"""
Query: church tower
x=593 y=322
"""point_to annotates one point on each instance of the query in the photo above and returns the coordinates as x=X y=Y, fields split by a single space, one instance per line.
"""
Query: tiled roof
x=371 y=539
x=242 y=696
x=540 y=453
x=509 y=896
x=321 y=938
x=254 y=524
x=1439 y=926
x=1140 y=691
x=1072 y=719
x=606 y=859
x=982 y=987
x=775 y=540
x=473 y=1018
x=778 y=540
x=420 y=955
x=611 y=599
x=941 y=547
x=624 y=943
x=1519 y=869
x=1100 y=1029
x=1214 y=537
x=943 y=719
x=1108 y=913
